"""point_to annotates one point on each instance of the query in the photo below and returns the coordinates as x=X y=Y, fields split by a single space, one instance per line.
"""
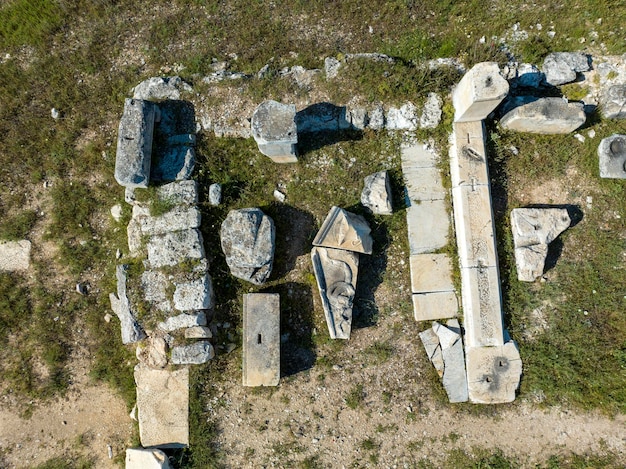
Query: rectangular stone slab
x=482 y=306
x=424 y=184
x=474 y=226
x=163 y=407
x=417 y=155
x=172 y=248
x=431 y=273
x=468 y=160
x=428 y=225
x=434 y=306
x=261 y=342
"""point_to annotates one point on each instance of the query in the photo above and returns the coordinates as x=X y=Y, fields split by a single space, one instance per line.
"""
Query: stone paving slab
x=261 y=344
x=176 y=219
x=14 y=255
x=428 y=225
x=163 y=407
x=431 y=273
x=418 y=155
x=434 y=306
x=482 y=306
x=468 y=161
x=474 y=226
x=424 y=184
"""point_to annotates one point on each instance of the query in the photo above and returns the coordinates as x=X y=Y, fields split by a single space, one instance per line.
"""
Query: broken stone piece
x=155 y=285
x=533 y=229
x=146 y=458
x=131 y=330
x=198 y=332
x=376 y=193
x=431 y=113
x=336 y=274
x=344 y=230
x=544 y=116
x=562 y=67
x=172 y=248
x=215 y=194
x=194 y=354
x=612 y=156
x=153 y=353
x=163 y=406
x=176 y=219
x=261 y=343
x=14 y=255
x=430 y=341
x=454 y=377
x=179 y=193
x=247 y=238
x=479 y=92
x=160 y=88
x=493 y=373
x=274 y=130
x=613 y=102
x=183 y=321
x=134 y=143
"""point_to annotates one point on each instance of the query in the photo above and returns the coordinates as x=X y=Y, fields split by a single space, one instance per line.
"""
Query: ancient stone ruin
x=261 y=343
x=612 y=157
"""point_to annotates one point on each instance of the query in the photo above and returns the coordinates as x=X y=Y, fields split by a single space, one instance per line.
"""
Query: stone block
x=194 y=295
x=134 y=143
x=344 y=230
x=545 y=116
x=163 y=407
x=376 y=194
x=482 y=306
x=430 y=340
x=146 y=458
x=155 y=286
x=198 y=332
x=612 y=156
x=562 y=67
x=274 y=130
x=261 y=344
x=468 y=158
x=613 y=102
x=493 y=373
x=179 y=192
x=176 y=219
x=428 y=225
x=424 y=184
x=479 y=92
x=417 y=155
x=434 y=306
x=195 y=354
x=130 y=328
x=431 y=273
x=14 y=255
x=474 y=226
x=173 y=248
x=454 y=377
x=336 y=272
x=183 y=321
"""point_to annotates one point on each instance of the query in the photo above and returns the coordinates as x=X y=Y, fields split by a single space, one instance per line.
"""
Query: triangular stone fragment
x=344 y=230
x=336 y=274
x=433 y=349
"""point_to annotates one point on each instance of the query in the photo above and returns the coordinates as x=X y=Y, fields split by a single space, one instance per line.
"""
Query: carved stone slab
x=482 y=306
x=336 y=274
x=344 y=230
x=612 y=156
x=468 y=166
x=493 y=373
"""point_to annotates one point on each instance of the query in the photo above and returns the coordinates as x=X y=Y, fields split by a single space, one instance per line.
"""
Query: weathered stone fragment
x=435 y=305
x=562 y=67
x=431 y=273
x=160 y=88
x=493 y=373
x=194 y=295
x=261 y=344
x=331 y=67
x=612 y=155
x=403 y=118
x=247 y=237
x=134 y=143
x=183 y=321
x=179 y=192
x=177 y=218
x=344 y=230
x=131 y=330
x=613 y=102
x=428 y=225
x=468 y=161
x=545 y=116
x=194 y=354
x=155 y=285
x=336 y=273
x=153 y=353
x=274 y=131
x=533 y=229
x=14 y=255
x=454 y=377
x=215 y=194
x=172 y=248
x=163 y=406
x=198 y=332
x=376 y=117
x=479 y=92
x=146 y=458
x=376 y=193
x=430 y=340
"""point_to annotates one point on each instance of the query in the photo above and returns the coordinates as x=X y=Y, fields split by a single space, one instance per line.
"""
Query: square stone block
x=479 y=92
x=434 y=306
x=428 y=225
x=163 y=407
x=172 y=248
x=261 y=344
x=424 y=184
x=474 y=226
x=468 y=158
x=482 y=306
x=612 y=157
x=418 y=155
x=431 y=273
x=493 y=373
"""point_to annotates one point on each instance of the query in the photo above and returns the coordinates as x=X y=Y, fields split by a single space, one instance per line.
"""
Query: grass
x=355 y=396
